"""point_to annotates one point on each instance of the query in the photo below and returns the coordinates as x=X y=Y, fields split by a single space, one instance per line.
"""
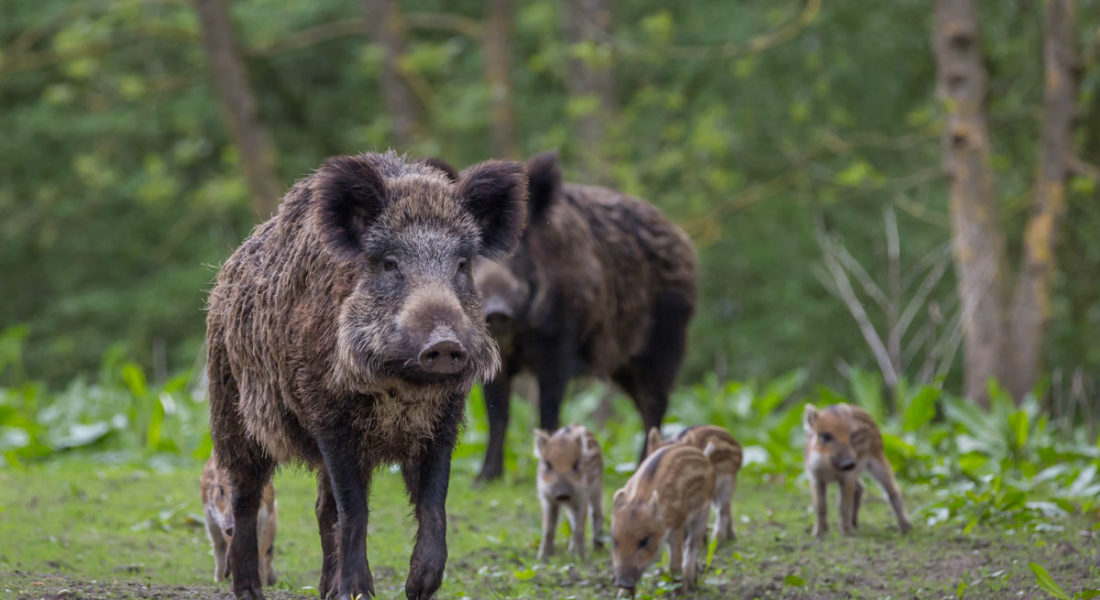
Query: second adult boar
x=602 y=284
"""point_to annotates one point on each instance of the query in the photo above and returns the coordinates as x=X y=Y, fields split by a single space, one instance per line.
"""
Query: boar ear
x=809 y=418
x=655 y=505
x=442 y=165
x=619 y=499
x=495 y=193
x=544 y=175
x=350 y=194
x=541 y=437
x=653 y=440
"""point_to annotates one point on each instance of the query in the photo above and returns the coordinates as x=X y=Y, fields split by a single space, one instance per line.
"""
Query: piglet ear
x=541 y=437
x=495 y=193
x=809 y=418
x=619 y=499
x=653 y=441
x=350 y=195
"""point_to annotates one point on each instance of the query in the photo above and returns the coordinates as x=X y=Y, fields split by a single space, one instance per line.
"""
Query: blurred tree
x=387 y=29
x=497 y=47
x=590 y=77
x=250 y=134
x=1004 y=335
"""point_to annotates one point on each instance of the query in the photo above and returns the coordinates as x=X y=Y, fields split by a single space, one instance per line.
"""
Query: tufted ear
x=351 y=194
x=495 y=193
x=442 y=165
x=541 y=438
x=809 y=418
x=653 y=441
x=544 y=175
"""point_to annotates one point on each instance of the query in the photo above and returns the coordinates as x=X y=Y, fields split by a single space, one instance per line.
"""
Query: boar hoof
x=488 y=473
x=425 y=577
x=906 y=528
x=249 y=594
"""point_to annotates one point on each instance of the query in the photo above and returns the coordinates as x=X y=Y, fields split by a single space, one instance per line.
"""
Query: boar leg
x=553 y=376
x=848 y=485
x=723 y=493
x=244 y=547
x=426 y=479
x=349 y=491
x=693 y=546
x=595 y=511
x=880 y=469
x=821 y=506
x=856 y=504
x=577 y=512
x=497 y=394
x=549 y=524
x=218 y=540
x=675 y=551
x=327 y=518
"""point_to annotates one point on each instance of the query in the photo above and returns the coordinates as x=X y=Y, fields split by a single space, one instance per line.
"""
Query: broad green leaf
x=1046 y=582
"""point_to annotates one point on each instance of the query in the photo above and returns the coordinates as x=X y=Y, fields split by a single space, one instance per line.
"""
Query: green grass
x=123 y=531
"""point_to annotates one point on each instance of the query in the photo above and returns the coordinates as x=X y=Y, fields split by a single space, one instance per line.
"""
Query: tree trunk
x=1031 y=305
x=239 y=108
x=978 y=239
x=591 y=83
x=387 y=29
x=497 y=47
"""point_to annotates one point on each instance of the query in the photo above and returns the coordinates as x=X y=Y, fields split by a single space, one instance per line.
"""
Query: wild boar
x=664 y=501
x=217 y=508
x=570 y=475
x=841 y=441
x=725 y=456
x=345 y=334
x=602 y=284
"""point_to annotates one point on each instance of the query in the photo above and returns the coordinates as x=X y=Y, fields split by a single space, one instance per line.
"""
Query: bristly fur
x=494 y=193
x=442 y=165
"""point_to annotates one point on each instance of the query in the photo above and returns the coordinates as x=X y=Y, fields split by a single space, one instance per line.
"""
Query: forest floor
x=73 y=528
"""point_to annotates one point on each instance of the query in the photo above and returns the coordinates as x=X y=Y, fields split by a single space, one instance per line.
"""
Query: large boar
x=664 y=501
x=601 y=284
x=217 y=509
x=345 y=334
x=841 y=441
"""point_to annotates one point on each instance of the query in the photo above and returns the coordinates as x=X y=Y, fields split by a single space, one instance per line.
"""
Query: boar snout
x=443 y=354
x=228 y=531
x=627 y=580
x=562 y=492
x=845 y=461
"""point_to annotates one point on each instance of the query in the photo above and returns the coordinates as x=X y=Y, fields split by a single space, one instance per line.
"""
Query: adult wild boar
x=601 y=284
x=345 y=333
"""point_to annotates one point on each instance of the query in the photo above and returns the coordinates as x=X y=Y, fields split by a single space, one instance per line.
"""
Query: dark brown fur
x=316 y=347
x=608 y=288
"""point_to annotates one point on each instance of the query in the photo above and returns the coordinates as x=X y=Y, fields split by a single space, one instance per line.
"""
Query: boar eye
x=221 y=492
x=546 y=465
x=826 y=437
x=644 y=542
x=577 y=465
x=389 y=263
x=463 y=265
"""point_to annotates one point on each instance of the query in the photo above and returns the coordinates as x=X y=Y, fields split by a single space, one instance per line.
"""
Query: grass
x=104 y=531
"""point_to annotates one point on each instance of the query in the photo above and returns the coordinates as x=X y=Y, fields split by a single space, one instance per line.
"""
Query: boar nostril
x=229 y=531
x=847 y=466
x=443 y=356
x=563 y=497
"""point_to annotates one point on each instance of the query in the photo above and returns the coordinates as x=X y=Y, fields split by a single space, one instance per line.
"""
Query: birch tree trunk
x=1031 y=305
x=978 y=238
x=238 y=106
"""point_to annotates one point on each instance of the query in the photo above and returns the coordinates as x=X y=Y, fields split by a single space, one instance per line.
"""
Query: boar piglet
x=217 y=508
x=664 y=501
x=570 y=475
x=345 y=334
x=841 y=441
x=724 y=453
